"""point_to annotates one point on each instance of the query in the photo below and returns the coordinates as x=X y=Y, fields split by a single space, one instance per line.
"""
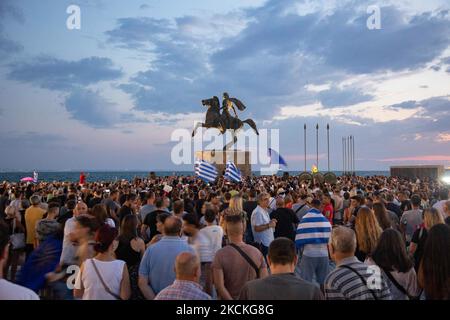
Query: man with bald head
x=156 y=270
x=186 y=286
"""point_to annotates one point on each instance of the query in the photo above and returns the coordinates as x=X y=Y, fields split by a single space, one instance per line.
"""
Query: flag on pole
x=35 y=177
x=232 y=173
x=276 y=158
x=205 y=171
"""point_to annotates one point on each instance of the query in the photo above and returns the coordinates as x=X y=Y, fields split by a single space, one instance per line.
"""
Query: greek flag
x=232 y=172
x=205 y=171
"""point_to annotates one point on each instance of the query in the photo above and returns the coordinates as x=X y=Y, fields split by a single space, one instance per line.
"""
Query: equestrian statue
x=224 y=121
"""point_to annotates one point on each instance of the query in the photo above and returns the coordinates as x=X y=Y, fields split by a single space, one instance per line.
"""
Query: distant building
x=419 y=171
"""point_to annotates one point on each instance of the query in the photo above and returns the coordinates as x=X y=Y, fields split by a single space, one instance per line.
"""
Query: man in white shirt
x=262 y=226
x=9 y=290
x=443 y=195
x=69 y=248
x=212 y=233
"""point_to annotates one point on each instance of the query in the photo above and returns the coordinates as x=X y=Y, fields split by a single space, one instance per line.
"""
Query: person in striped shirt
x=352 y=279
x=313 y=233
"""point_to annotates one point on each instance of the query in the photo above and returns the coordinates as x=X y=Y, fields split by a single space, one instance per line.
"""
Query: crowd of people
x=265 y=238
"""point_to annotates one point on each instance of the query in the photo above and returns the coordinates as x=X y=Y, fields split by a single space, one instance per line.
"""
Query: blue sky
x=108 y=96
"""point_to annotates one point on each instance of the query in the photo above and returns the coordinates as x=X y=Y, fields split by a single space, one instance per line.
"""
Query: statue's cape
x=238 y=104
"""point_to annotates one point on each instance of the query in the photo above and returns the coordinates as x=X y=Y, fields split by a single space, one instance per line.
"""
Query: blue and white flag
x=232 y=173
x=205 y=171
x=276 y=158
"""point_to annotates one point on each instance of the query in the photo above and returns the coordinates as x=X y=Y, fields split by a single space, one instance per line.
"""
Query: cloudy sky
x=109 y=96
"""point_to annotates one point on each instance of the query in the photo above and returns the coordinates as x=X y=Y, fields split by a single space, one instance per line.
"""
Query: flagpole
x=343 y=156
x=304 y=136
x=347 y=153
x=353 y=157
x=328 y=145
x=317 y=146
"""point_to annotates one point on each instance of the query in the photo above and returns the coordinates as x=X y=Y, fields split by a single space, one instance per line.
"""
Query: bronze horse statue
x=222 y=122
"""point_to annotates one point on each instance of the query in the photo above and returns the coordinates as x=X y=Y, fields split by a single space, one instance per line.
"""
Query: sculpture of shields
x=305 y=176
x=330 y=178
x=318 y=177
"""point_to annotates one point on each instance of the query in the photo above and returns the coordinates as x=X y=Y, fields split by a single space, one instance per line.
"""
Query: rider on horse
x=228 y=105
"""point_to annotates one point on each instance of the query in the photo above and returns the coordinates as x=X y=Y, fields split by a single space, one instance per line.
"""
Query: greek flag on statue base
x=205 y=171
x=232 y=173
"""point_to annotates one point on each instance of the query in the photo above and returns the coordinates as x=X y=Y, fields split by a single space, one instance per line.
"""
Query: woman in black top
x=434 y=270
x=131 y=248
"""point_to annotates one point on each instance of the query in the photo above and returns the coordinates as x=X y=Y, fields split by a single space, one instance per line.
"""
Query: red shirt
x=82 y=178
x=328 y=212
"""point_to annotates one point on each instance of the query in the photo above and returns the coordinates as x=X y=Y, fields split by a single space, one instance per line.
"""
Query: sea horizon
x=100 y=175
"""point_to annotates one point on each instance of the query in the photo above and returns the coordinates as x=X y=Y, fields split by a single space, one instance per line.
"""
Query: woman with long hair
x=160 y=219
x=101 y=215
x=235 y=208
x=103 y=277
x=131 y=249
x=382 y=216
x=391 y=256
x=368 y=232
x=431 y=217
x=434 y=271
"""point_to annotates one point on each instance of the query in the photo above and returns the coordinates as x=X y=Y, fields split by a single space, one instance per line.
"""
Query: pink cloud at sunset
x=418 y=158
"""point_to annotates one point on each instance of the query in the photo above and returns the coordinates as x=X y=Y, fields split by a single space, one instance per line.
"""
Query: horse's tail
x=252 y=124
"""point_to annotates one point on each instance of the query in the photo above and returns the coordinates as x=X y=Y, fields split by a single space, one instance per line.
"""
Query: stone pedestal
x=219 y=158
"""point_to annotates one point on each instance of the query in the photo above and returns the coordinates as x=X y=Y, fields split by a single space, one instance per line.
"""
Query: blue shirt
x=158 y=263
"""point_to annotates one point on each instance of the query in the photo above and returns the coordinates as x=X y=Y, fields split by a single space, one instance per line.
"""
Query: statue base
x=219 y=158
